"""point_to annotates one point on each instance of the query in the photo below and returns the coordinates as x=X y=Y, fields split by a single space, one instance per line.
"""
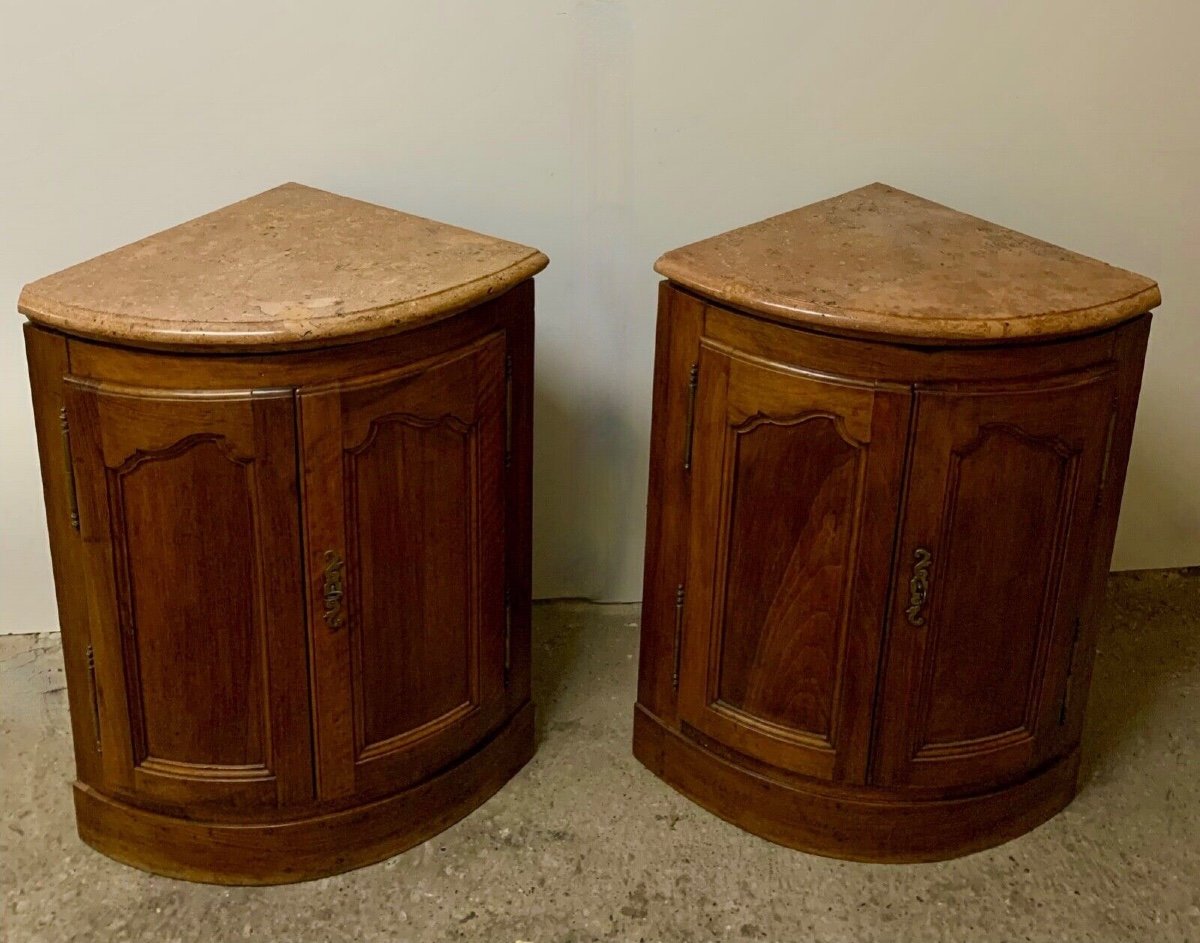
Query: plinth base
x=857 y=823
x=283 y=852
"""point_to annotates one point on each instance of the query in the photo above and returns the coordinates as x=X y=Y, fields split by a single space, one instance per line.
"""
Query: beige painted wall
x=604 y=132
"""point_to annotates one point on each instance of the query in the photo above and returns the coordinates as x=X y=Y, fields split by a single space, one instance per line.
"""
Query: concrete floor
x=584 y=844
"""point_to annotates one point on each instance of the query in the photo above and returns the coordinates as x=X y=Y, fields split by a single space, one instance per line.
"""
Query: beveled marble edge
x=992 y=329
x=290 y=334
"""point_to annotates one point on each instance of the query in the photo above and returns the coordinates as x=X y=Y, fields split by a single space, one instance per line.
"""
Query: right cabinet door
x=1003 y=486
x=404 y=476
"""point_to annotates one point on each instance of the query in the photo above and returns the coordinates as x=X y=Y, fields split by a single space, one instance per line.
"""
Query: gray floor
x=586 y=845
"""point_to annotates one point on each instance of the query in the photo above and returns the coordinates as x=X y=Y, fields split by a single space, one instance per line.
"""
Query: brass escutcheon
x=333 y=589
x=918 y=586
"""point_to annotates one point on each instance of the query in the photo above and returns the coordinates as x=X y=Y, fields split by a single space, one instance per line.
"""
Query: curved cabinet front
x=293 y=591
x=872 y=575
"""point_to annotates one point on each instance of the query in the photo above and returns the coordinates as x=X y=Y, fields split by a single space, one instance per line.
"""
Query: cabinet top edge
x=877 y=261
x=291 y=268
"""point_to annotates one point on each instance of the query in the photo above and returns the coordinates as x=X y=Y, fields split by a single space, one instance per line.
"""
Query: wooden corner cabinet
x=286 y=457
x=889 y=444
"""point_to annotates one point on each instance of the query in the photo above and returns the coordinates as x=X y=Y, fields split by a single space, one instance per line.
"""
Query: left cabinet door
x=404 y=484
x=793 y=510
x=189 y=516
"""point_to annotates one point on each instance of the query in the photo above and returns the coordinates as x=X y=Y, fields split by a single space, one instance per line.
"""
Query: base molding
x=853 y=823
x=307 y=848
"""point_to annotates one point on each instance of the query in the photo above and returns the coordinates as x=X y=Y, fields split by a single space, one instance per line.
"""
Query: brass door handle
x=918 y=586
x=333 y=589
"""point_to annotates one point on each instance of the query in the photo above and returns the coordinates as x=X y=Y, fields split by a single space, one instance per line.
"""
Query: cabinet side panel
x=677 y=347
x=519 y=338
x=1129 y=351
x=48 y=363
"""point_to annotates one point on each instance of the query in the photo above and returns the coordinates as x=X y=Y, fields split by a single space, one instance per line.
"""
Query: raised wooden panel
x=405 y=476
x=194 y=607
x=1018 y=564
x=188 y=516
x=1002 y=492
x=791 y=515
x=791 y=530
x=409 y=498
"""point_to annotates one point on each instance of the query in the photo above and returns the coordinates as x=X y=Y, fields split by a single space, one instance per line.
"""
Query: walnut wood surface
x=1003 y=489
x=817 y=701
x=188 y=522
x=47 y=357
x=404 y=476
x=217 y=699
x=790 y=512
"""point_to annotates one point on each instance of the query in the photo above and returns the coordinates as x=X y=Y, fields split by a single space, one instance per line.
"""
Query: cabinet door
x=1003 y=488
x=189 y=515
x=404 y=503
x=795 y=491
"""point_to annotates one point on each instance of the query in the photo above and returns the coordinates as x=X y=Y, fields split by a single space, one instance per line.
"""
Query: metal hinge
x=1066 y=698
x=69 y=466
x=693 y=383
x=508 y=372
x=91 y=668
x=507 y=635
x=678 y=636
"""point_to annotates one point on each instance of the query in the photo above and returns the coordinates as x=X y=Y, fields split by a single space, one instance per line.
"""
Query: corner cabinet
x=294 y=590
x=286 y=454
x=872 y=576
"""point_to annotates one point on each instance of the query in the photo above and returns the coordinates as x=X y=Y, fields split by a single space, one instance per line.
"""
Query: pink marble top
x=881 y=261
x=291 y=267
